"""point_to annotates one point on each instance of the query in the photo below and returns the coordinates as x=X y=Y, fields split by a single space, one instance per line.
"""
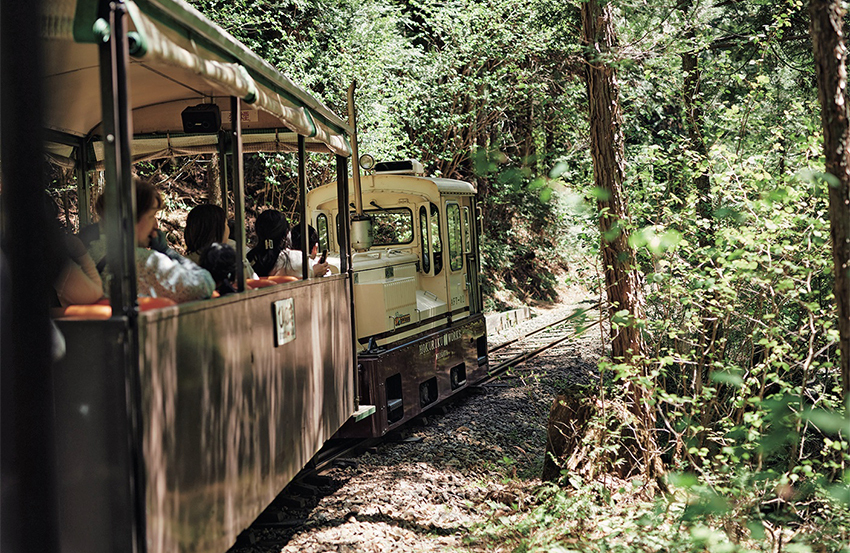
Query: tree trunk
x=622 y=279
x=694 y=123
x=573 y=446
x=213 y=182
x=830 y=54
x=711 y=329
x=607 y=148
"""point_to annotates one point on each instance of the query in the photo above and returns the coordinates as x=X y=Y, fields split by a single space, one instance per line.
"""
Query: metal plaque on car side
x=284 y=318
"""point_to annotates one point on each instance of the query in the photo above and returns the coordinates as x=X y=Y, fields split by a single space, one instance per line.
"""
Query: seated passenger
x=289 y=261
x=161 y=272
x=220 y=261
x=206 y=224
x=78 y=282
x=271 y=228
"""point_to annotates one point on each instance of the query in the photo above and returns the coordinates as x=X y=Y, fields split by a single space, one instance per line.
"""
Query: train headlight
x=367 y=162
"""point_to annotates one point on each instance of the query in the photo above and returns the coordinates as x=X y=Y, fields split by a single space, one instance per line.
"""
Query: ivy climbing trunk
x=622 y=279
x=711 y=327
x=830 y=54
x=694 y=124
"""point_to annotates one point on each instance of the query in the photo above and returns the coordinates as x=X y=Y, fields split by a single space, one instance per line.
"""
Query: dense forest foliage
x=728 y=199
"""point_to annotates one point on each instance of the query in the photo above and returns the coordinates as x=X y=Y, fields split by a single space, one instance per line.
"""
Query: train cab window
x=455 y=235
x=467 y=242
x=322 y=229
x=391 y=226
x=436 y=240
x=426 y=246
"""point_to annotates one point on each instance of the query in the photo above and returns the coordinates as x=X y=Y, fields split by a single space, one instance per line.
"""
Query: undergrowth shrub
x=743 y=335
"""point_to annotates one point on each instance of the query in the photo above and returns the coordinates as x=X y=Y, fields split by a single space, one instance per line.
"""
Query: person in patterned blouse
x=161 y=272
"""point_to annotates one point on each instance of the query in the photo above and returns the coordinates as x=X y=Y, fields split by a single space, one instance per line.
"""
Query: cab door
x=470 y=247
x=456 y=260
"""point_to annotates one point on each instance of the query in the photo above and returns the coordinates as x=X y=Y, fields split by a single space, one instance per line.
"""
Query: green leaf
x=735 y=255
x=816 y=176
x=483 y=162
x=621 y=317
x=731 y=214
x=600 y=194
x=611 y=234
x=512 y=176
x=683 y=479
x=840 y=493
x=539 y=182
x=727 y=377
x=708 y=504
x=656 y=242
x=777 y=194
x=545 y=194
x=827 y=421
x=756 y=530
x=559 y=169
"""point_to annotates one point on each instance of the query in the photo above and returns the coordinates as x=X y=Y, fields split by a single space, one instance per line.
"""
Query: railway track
x=531 y=344
x=290 y=510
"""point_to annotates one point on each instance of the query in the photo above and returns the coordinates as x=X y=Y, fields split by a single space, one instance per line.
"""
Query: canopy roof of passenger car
x=178 y=59
x=430 y=188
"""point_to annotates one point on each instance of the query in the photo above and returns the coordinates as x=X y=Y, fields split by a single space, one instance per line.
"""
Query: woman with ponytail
x=272 y=229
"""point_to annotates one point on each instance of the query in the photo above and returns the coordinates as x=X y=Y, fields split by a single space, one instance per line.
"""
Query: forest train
x=177 y=426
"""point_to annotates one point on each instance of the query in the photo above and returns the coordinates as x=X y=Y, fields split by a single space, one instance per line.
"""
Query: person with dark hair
x=205 y=224
x=289 y=261
x=271 y=228
x=161 y=272
x=220 y=261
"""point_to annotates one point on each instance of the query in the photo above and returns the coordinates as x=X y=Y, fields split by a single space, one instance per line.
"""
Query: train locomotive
x=420 y=332
x=177 y=426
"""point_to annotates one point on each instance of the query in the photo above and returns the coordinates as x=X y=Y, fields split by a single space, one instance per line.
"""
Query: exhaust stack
x=361 y=225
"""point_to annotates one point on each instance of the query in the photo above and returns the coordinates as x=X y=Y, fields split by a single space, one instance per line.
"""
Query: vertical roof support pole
x=344 y=240
x=83 y=185
x=120 y=210
x=120 y=194
x=302 y=208
x=474 y=272
x=238 y=185
x=342 y=230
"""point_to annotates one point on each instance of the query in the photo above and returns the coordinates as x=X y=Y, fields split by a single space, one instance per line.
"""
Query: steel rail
x=542 y=328
x=501 y=368
x=327 y=457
